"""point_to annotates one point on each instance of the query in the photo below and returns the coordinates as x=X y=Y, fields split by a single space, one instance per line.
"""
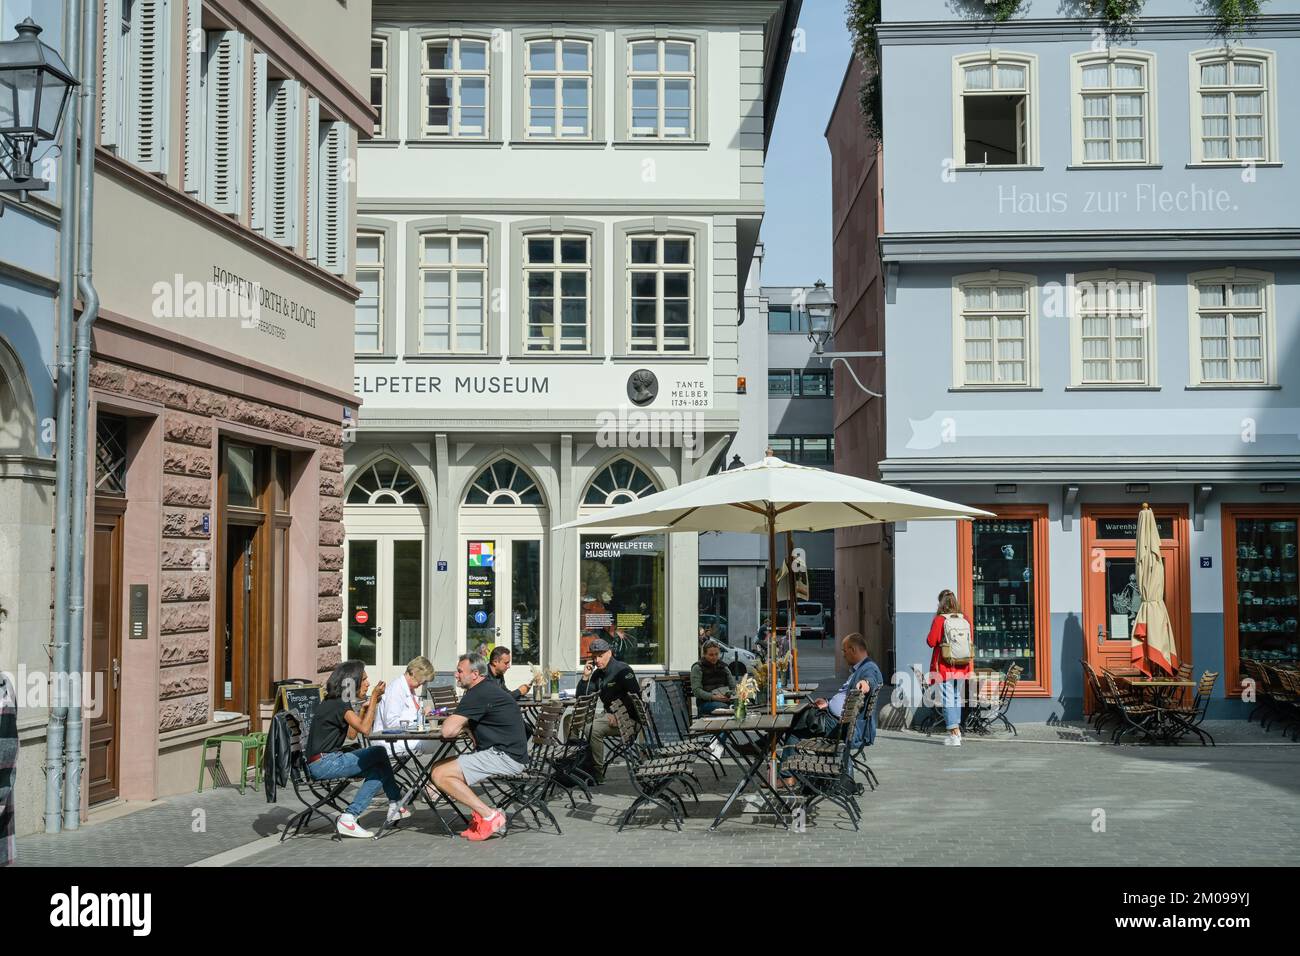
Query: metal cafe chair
x=825 y=770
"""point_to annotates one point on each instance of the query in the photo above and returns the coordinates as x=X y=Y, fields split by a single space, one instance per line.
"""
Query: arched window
x=385 y=483
x=617 y=484
x=503 y=483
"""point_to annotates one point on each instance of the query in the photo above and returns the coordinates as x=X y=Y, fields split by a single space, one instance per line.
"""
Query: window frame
x=381 y=73
x=417 y=114
x=596 y=74
x=796 y=449
x=993 y=57
x=1267 y=59
x=416 y=230
x=1228 y=276
x=993 y=278
x=1150 y=355
x=700 y=282
x=699 y=41
x=364 y=230
x=660 y=268
x=594 y=233
x=1150 y=98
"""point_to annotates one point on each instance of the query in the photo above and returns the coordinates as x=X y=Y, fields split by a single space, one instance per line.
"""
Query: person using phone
x=337 y=721
x=712 y=682
x=613 y=680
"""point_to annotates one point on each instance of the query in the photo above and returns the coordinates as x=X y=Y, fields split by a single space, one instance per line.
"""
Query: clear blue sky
x=797 y=228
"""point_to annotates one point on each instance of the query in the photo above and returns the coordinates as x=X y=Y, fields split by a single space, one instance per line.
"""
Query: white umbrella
x=771 y=496
x=1152 y=642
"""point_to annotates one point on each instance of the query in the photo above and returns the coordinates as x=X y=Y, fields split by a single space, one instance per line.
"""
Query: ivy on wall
x=1232 y=17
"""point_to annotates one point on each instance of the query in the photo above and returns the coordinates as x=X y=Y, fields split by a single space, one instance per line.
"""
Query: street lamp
x=35 y=85
x=820 y=306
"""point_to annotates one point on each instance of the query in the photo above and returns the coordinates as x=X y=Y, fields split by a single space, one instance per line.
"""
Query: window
x=817 y=451
x=277 y=156
x=503 y=483
x=617 y=484
x=558 y=85
x=328 y=156
x=557 y=277
x=995 y=122
x=994 y=331
x=1113 y=318
x=1114 y=119
x=223 y=159
x=783 y=318
x=817 y=383
x=379 y=83
x=1232 y=106
x=136 y=63
x=110 y=455
x=453 y=293
x=1232 y=322
x=796 y=383
x=661 y=277
x=661 y=89
x=385 y=483
x=454 y=79
x=623 y=585
x=780 y=382
x=369 y=328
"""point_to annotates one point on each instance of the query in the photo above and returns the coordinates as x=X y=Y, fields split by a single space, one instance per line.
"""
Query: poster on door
x=482 y=554
x=480 y=597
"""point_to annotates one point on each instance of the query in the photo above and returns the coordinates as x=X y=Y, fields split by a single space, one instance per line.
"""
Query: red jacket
x=938 y=665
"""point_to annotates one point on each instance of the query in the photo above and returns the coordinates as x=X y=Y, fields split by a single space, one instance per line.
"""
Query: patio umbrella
x=1152 y=643
x=771 y=496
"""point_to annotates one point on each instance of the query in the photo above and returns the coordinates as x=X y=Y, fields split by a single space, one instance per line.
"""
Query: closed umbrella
x=1152 y=644
x=771 y=496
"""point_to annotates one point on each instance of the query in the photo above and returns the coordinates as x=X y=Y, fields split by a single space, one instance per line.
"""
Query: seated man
x=498 y=664
x=613 y=680
x=823 y=716
x=494 y=718
x=401 y=702
x=712 y=682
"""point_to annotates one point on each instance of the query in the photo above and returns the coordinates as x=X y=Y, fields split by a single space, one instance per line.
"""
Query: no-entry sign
x=362 y=616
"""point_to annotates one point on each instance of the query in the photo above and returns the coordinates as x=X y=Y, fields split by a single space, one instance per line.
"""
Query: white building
x=555 y=219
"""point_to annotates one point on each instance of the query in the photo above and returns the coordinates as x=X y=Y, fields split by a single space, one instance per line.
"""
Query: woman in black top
x=334 y=723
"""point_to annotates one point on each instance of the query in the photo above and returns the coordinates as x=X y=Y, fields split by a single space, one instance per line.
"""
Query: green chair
x=254 y=743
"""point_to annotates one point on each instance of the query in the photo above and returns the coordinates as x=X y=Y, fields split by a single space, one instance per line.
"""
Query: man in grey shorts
x=494 y=718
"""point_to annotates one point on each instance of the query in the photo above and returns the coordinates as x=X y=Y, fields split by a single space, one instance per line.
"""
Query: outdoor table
x=423 y=773
x=530 y=708
x=1158 y=691
x=772 y=730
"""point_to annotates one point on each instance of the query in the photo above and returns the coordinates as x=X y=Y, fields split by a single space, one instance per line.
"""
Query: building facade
x=557 y=213
x=29 y=285
x=864 y=593
x=786 y=407
x=220 y=372
x=1092 y=296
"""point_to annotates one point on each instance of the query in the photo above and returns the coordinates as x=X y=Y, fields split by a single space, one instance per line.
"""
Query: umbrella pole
x=771 y=606
x=791 y=621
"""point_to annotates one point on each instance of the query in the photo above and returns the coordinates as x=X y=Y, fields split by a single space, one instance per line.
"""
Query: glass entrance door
x=501 y=600
x=384 y=616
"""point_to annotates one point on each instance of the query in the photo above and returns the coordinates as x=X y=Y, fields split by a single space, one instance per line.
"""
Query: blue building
x=1091 y=247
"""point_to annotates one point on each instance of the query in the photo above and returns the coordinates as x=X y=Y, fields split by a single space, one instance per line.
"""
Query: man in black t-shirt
x=492 y=715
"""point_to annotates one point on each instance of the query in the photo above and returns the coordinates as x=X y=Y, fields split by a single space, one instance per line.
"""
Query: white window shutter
x=110 y=53
x=334 y=197
x=285 y=197
x=151 y=49
x=258 y=121
x=225 y=134
x=195 y=103
x=311 y=165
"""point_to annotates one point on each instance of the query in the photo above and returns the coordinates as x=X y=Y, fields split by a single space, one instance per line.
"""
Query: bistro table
x=1158 y=691
x=771 y=729
x=417 y=778
x=531 y=707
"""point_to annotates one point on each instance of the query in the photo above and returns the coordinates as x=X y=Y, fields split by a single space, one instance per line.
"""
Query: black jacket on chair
x=278 y=755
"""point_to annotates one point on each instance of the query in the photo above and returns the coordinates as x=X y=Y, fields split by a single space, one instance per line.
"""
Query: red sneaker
x=475 y=822
x=489 y=826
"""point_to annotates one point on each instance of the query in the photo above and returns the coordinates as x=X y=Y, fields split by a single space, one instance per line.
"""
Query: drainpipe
x=82 y=437
x=63 y=438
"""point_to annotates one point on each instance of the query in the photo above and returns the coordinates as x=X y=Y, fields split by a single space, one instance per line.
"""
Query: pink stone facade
x=192 y=418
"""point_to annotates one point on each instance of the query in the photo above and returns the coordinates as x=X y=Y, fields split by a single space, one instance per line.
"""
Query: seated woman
x=712 y=682
x=335 y=723
x=401 y=702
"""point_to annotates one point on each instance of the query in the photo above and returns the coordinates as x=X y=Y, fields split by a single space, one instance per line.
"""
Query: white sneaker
x=950 y=741
x=398 y=812
x=956 y=739
x=348 y=826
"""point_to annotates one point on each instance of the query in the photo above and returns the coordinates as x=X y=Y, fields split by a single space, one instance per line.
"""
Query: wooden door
x=105 y=651
x=237 y=649
x=1110 y=587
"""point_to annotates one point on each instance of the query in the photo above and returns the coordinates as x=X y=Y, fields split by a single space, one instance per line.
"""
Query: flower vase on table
x=555 y=685
x=742 y=708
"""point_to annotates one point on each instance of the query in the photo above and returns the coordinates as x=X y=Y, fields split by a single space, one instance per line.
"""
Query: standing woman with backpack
x=952 y=660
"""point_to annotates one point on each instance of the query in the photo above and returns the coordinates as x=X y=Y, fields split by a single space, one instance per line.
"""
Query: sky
x=797 y=227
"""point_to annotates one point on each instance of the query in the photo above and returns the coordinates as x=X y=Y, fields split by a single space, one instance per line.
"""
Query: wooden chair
x=825 y=769
x=654 y=776
x=315 y=795
x=1193 y=714
x=982 y=719
x=1105 y=708
x=1135 y=713
x=528 y=789
x=935 y=716
x=826 y=745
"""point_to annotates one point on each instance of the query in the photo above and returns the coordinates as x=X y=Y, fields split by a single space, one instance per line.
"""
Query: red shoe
x=489 y=826
x=475 y=822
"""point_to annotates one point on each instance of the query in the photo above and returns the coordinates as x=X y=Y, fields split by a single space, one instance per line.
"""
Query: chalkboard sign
x=302 y=699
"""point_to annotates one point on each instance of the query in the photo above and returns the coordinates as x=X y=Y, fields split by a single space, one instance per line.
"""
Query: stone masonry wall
x=186 y=554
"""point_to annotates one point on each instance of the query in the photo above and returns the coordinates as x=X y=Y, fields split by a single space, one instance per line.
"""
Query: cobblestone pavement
x=1039 y=800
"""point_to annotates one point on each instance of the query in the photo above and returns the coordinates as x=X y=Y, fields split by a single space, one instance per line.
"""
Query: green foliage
x=1114 y=13
x=1001 y=10
x=1234 y=14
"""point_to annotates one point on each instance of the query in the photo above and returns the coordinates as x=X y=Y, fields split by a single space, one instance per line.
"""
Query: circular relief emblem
x=642 y=387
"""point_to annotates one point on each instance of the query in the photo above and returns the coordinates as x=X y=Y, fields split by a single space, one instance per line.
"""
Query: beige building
x=221 y=372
